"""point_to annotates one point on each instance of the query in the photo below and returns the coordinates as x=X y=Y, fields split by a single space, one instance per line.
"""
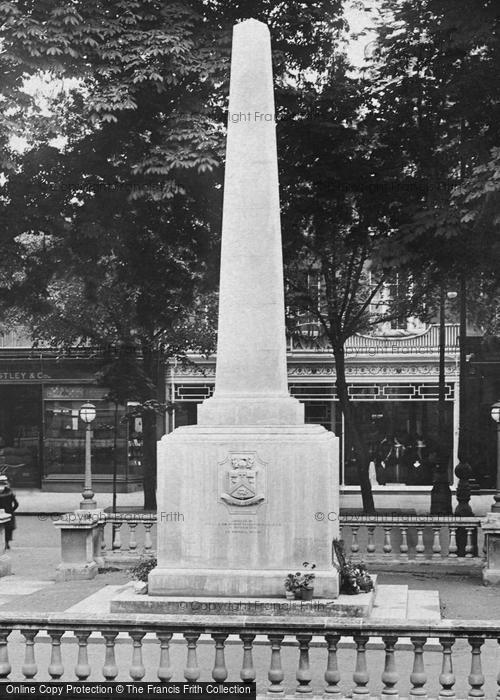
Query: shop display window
x=65 y=439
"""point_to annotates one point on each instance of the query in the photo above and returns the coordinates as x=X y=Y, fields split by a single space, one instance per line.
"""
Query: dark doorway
x=21 y=433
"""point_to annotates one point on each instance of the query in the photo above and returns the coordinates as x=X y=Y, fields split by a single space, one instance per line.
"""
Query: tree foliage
x=112 y=212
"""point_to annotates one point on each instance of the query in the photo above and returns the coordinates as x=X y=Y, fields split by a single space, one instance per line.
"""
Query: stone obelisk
x=253 y=488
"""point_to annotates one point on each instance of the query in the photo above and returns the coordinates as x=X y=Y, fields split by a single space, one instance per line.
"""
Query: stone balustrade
x=127 y=536
x=381 y=539
x=314 y=656
x=99 y=539
x=413 y=539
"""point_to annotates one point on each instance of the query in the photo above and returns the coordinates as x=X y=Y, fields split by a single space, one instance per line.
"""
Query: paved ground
x=35 y=555
x=33 y=501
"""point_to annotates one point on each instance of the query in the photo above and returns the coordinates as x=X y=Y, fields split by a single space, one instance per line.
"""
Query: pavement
x=35 y=501
x=31 y=588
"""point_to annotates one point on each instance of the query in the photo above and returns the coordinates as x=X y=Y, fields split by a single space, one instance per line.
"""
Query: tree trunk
x=149 y=459
x=354 y=434
x=149 y=434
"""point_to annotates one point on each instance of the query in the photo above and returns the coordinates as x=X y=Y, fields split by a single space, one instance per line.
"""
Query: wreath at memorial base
x=141 y=571
x=354 y=576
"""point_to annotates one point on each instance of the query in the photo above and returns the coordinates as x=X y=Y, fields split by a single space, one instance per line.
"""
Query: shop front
x=41 y=435
x=394 y=390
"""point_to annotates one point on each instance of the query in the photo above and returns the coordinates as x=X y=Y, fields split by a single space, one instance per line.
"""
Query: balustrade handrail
x=457 y=520
x=129 y=517
x=343 y=519
x=234 y=624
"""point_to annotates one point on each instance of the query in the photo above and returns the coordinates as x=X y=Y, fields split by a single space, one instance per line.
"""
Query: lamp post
x=495 y=414
x=87 y=415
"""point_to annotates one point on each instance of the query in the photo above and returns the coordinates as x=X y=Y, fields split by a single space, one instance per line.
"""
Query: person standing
x=8 y=502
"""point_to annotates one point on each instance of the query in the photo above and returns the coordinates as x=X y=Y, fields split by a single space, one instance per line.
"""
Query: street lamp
x=87 y=415
x=495 y=414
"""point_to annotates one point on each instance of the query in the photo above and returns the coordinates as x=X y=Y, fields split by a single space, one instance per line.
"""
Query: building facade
x=41 y=436
x=393 y=384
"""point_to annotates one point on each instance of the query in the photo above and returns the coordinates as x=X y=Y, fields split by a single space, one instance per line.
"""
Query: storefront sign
x=25 y=376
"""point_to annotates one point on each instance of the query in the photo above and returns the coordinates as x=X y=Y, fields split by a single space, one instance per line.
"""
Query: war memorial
x=253 y=482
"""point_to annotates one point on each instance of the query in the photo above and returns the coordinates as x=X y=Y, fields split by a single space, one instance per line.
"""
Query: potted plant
x=290 y=586
x=301 y=583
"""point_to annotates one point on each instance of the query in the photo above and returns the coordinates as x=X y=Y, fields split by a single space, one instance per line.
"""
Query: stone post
x=491 y=529
x=80 y=542
x=463 y=471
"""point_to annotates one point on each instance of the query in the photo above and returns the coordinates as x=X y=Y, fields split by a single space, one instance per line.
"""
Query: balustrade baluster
x=29 y=668
x=82 y=668
x=436 y=544
x=117 y=541
x=447 y=677
x=390 y=676
x=5 y=667
x=403 y=547
x=332 y=673
x=453 y=549
x=370 y=547
x=192 y=670
x=275 y=674
x=132 y=542
x=469 y=548
x=137 y=670
x=219 y=672
x=304 y=675
x=56 y=668
x=360 y=675
x=476 y=677
x=420 y=547
x=354 y=542
x=498 y=680
x=148 y=542
x=110 y=669
x=103 y=541
x=165 y=671
x=247 y=673
x=387 y=541
x=418 y=677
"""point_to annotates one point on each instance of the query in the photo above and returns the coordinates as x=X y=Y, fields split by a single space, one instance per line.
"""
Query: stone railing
x=413 y=539
x=127 y=536
x=383 y=539
x=314 y=656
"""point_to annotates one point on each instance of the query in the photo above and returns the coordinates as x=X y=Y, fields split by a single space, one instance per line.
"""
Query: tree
x=112 y=213
x=338 y=230
x=437 y=114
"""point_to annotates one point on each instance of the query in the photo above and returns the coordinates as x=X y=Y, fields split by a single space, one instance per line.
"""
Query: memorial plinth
x=254 y=487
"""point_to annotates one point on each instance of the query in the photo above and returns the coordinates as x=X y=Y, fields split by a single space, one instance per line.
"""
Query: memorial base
x=240 y=507
x=130 y=602
x=231 y=582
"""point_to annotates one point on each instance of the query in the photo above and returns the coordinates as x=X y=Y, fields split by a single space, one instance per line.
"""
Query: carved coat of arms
x=241 y=481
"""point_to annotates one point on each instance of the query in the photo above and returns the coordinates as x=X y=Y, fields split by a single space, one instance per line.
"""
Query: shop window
x=400 y=437
x=65 y=439
x=186 y=413
x=20 y=434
